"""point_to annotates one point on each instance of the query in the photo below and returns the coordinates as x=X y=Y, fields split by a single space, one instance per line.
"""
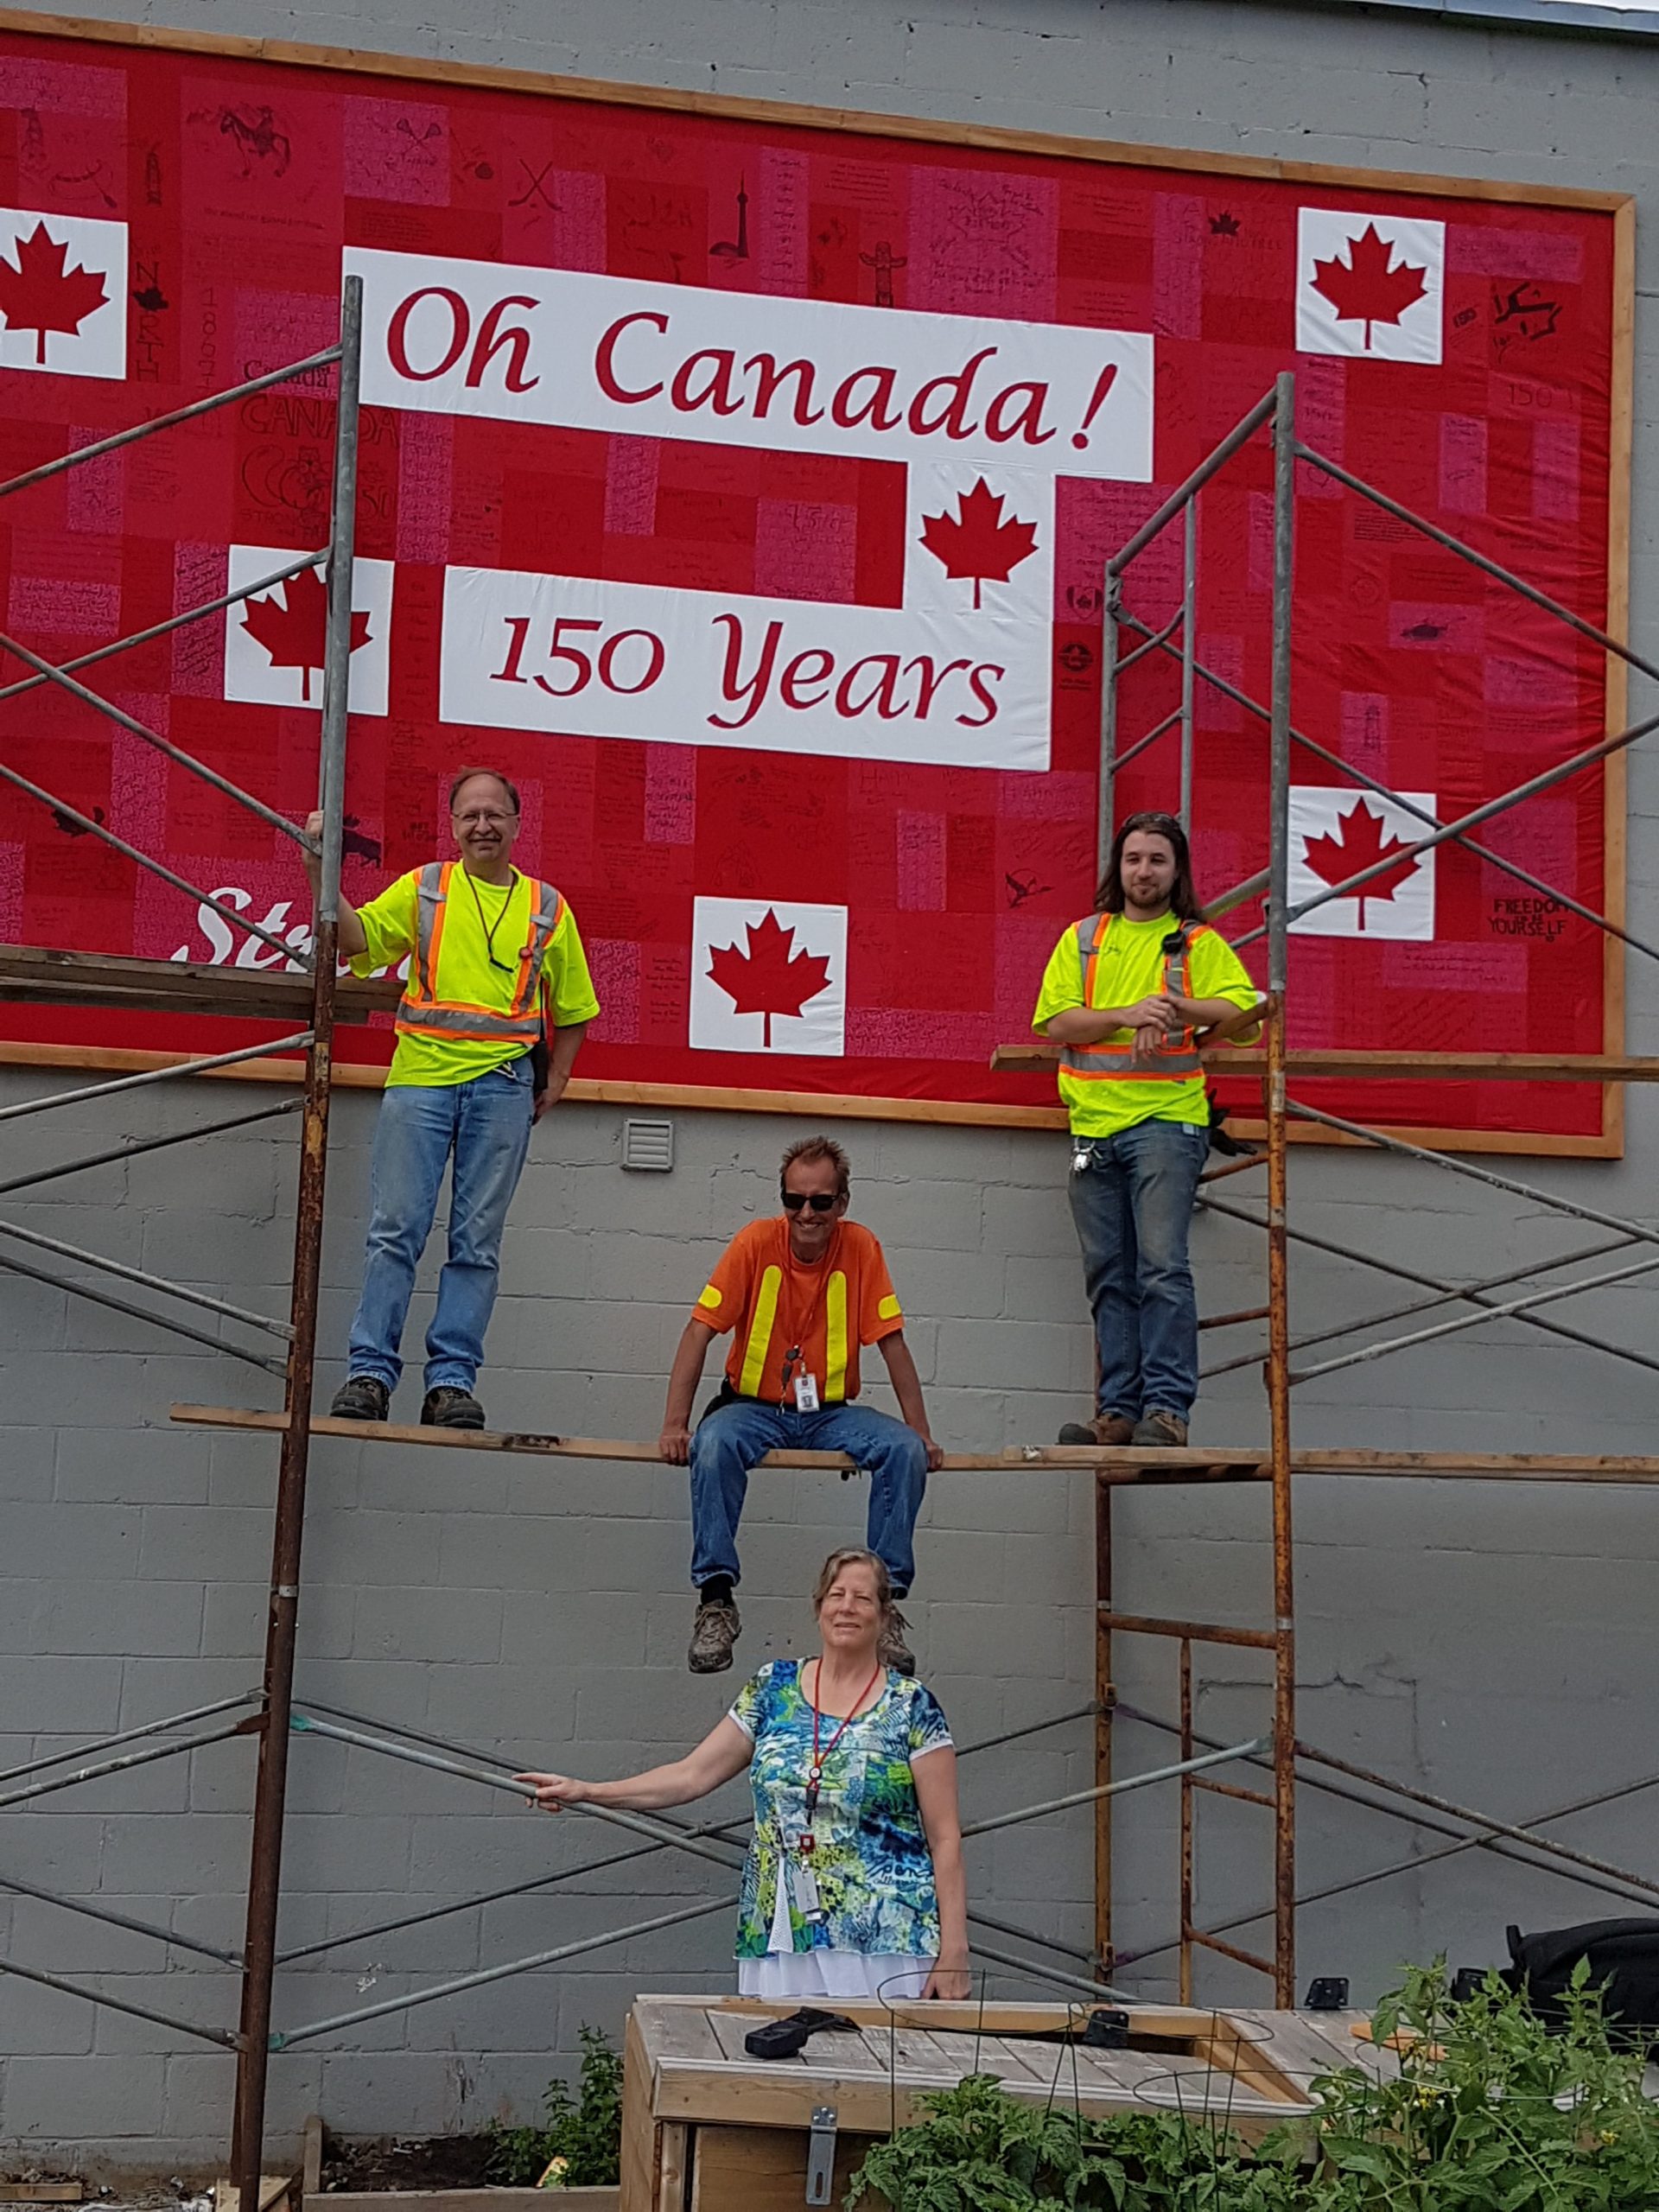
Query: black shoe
x=361 y=1397
x=448 y=1407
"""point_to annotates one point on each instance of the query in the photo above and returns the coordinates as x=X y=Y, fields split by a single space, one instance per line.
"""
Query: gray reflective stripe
x=1085 y=937
x=542 y=923
x=428 y=897
x=466 y=1021
x=1085 y=1059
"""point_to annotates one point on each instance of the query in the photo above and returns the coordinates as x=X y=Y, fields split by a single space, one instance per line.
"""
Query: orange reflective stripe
x=1092 y=932
x=547 y=911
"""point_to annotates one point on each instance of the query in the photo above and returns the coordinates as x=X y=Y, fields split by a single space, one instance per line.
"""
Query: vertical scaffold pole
x=1284 y=1686
x=265 y=1874
x=1184 y=1987
x=1104 y=1696
x=1189 y=656
x=1105 y=820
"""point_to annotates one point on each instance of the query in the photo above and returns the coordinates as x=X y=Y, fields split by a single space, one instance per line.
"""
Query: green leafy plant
x=1488 y=2111
x=585 y=2131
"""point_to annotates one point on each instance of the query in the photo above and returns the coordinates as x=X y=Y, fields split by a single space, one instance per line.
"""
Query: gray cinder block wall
x=1495 y=1642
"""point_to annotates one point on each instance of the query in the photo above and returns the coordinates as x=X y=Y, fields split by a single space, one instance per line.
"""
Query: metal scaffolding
x=66 y=977
x=1128 y=638
x=309 y=1003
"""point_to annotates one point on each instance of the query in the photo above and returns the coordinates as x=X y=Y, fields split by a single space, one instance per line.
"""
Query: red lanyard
x=793 y=1352
x=815 y=1772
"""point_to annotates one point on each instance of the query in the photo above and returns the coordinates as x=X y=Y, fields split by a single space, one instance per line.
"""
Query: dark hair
x=505 y=782
x=1183 y=898
x=811 y=1148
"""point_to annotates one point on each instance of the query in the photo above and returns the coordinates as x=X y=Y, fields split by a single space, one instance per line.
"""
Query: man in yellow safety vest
x=1126 y=994
x=494 y=959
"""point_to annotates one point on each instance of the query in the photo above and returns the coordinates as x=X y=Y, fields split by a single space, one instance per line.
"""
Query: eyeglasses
x=483 y=818
x=820 y=1201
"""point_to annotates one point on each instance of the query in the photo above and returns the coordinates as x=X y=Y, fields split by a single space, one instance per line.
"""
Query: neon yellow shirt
x=465 y=971
x=1131 y=967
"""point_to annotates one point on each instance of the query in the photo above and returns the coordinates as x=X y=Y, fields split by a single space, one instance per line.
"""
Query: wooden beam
x=1114 y=1464
x=49 y=975
x=1125 y=1466
x=1395 y=1066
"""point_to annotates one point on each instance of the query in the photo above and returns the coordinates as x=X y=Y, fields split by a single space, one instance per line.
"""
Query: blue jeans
x=485 y=1123
x=728 y=1441
x=1132 y=1203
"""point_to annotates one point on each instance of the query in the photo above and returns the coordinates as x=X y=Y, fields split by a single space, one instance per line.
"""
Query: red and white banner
x=610 y=354
x=743 y=490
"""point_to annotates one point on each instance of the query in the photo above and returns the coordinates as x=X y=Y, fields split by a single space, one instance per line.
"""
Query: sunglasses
x=820 y=1201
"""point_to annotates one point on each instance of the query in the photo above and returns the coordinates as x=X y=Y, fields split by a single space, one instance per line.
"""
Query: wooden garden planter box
x=707 y=2128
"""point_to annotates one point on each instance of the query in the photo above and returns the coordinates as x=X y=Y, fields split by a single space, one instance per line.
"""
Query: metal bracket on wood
x=821 y=2155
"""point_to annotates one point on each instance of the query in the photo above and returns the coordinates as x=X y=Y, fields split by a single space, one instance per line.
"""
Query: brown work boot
x=1158 y=1428
x=361 y=1397
x=894 y=1650
x=447 y=1406
x=714 y=1632
x=1105 y=1428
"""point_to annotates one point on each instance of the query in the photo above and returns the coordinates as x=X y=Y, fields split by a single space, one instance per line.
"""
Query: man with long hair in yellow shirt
x=1127 y=994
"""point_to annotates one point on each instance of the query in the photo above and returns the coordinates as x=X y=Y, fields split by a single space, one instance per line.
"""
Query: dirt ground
x=407 y=2161
x=388 y=2162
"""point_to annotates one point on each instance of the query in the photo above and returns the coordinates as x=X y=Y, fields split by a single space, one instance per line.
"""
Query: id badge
x=803 y=1887
x=806 y=1394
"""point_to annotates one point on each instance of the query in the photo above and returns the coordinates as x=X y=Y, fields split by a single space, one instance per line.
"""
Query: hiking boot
x=447 y=1407
x=894 y=1650
x=361 y=1397
x=714 y=1632
x=1158 y=1428
x=1105 y=1428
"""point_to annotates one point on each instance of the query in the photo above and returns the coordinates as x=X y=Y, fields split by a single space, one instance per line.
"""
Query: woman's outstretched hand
x=949 y=1984
x=553 y=1792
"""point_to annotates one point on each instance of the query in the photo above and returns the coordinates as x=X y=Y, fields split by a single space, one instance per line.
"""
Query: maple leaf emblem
x=768 y=978
x=976 y=542
x=1364 y=288
x=38 y=293
x=294 y=629
x=1359 y=844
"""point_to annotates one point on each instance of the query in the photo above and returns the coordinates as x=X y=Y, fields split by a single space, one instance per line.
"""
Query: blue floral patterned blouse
x=871 y=1862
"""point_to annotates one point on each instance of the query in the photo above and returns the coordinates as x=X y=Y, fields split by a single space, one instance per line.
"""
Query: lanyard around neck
x=793 y=1352
x=490 y=928
x=815 y=1772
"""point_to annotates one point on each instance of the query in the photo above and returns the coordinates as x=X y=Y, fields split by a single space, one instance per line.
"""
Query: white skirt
x=869 y=1974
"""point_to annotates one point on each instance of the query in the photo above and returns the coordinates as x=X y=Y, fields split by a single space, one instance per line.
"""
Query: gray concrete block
x=48 y=2101
x=379 y=2089
x=429 y=1625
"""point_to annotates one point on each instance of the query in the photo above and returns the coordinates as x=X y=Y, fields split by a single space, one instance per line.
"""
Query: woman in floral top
x=854 y=1883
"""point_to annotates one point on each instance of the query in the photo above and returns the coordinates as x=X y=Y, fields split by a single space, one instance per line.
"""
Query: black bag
x=1624 y=1957
x=786 y=2038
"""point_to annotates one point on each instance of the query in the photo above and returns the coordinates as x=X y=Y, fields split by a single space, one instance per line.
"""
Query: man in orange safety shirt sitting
x=803 y=1291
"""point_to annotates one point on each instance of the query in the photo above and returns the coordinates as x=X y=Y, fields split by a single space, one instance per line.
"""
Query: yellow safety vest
x=424 y=1012
x=1166 y=1062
